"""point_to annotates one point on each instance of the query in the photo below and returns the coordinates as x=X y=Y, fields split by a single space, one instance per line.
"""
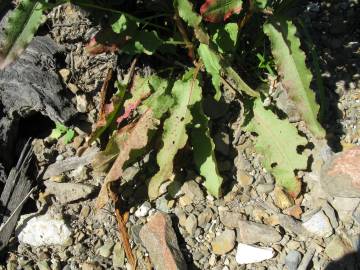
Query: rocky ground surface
x=254 y=226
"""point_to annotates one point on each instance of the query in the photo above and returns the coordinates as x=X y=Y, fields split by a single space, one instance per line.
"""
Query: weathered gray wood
x=14 y=195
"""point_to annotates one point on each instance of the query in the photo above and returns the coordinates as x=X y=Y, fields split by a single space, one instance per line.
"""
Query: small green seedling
x=60 y=130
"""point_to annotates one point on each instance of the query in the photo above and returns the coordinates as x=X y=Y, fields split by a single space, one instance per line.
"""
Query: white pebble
x=143 y=210
x=319 y=225
x=251 y=254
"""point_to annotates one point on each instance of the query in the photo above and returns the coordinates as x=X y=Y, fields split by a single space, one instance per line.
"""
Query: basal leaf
x=185 y=93
x=203 y=149
x=21 y=26
x=290 y=61
x=185 y=9
x=277 y=140
x=135 y=137
x=143 y=42
x=225 y=37
x=59 y=130
x=212 y=66
x=220 y=10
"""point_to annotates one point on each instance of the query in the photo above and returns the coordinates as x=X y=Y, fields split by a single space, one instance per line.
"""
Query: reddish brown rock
x=159 y=239
x=340 y=176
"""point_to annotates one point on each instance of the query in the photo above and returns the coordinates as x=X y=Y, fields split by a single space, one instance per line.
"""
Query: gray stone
x=191 y=224
x=330 y=213
x=292 y=260
x=160 y=241
x=265 y=188
x=319 y=225
x=192 y=193
x=106 y=250
x=230 y=219
x=338 y=248
x=223 y=243
x=252 y=232
x=204 y=217
x=118 y=257
x=69 y=192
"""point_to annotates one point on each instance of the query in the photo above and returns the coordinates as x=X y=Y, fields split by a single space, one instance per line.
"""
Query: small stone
x=160 y=241
x=224 y=242
x=57 y=178
x=246 y=254
x=294 y=211
x=69 y=192
x=191 y=224
x=43 y=265
x=85 y=211
x=340 y=176
x=345 y=206
x=282 y=199
x=230 y=219
x=330 y=213
x=212 y=260
x=181 y=216
x=106 y=249
x=204 y=217
x=91 y=266
x=265 y=188
x=192 y=193
x=73 y=88
x=45 y=230
x=243 y=178
x=81 y=103
x=319 y=225
x=251 y=232
x=143 y=210
x=292 y=260
x=118 y=255
x=337 y=248
x=65 y=74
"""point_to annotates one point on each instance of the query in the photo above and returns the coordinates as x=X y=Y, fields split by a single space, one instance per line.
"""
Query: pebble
x=230 y=219
x=251 y=232
x=69 y=192
x=265 y=188
x=319 y=225
x=337 y=248
x=243 y=178
x=191 y=224
x=91 y=266
x=340 y=176
x=43 y=265
x=81 y=103
x=159 y=239
x=65 y=74
x=246 y=254
x=118 y=257
x=205 y=217
x=143 y=210
x=330 y=213
x=192 y=193
x=106 y=250
x=45 y=230
x=223 y=243
x=212 y=260
x=292 y=260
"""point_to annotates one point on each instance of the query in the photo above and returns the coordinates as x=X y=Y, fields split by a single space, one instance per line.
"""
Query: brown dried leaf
x=137 y=138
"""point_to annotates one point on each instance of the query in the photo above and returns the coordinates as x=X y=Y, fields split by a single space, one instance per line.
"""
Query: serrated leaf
x=290 y=61
x=277 y=140
x=69 y=136
x=59 y=130
x=212 y=66
x=135 y=137
x=21 y=26
x=185 y=92
x=203 y=149
x=185 y=9
x=220 y=10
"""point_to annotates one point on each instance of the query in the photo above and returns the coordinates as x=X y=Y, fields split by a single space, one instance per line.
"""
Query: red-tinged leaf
x=136 y=138
x=220 y=10
x=128 y=110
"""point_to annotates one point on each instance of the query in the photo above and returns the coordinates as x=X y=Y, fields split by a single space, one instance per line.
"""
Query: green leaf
x=185 y=9
x=69 y=136
x=19 y=30
x=59 y=130
x=185 y=92
x=212 y=66
x=143 y=42
x=120 y=25
x=203 y=149
x=225 y=38
x=290 y=61
x=260 y=4
x=277 y=140
x=220 y=10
